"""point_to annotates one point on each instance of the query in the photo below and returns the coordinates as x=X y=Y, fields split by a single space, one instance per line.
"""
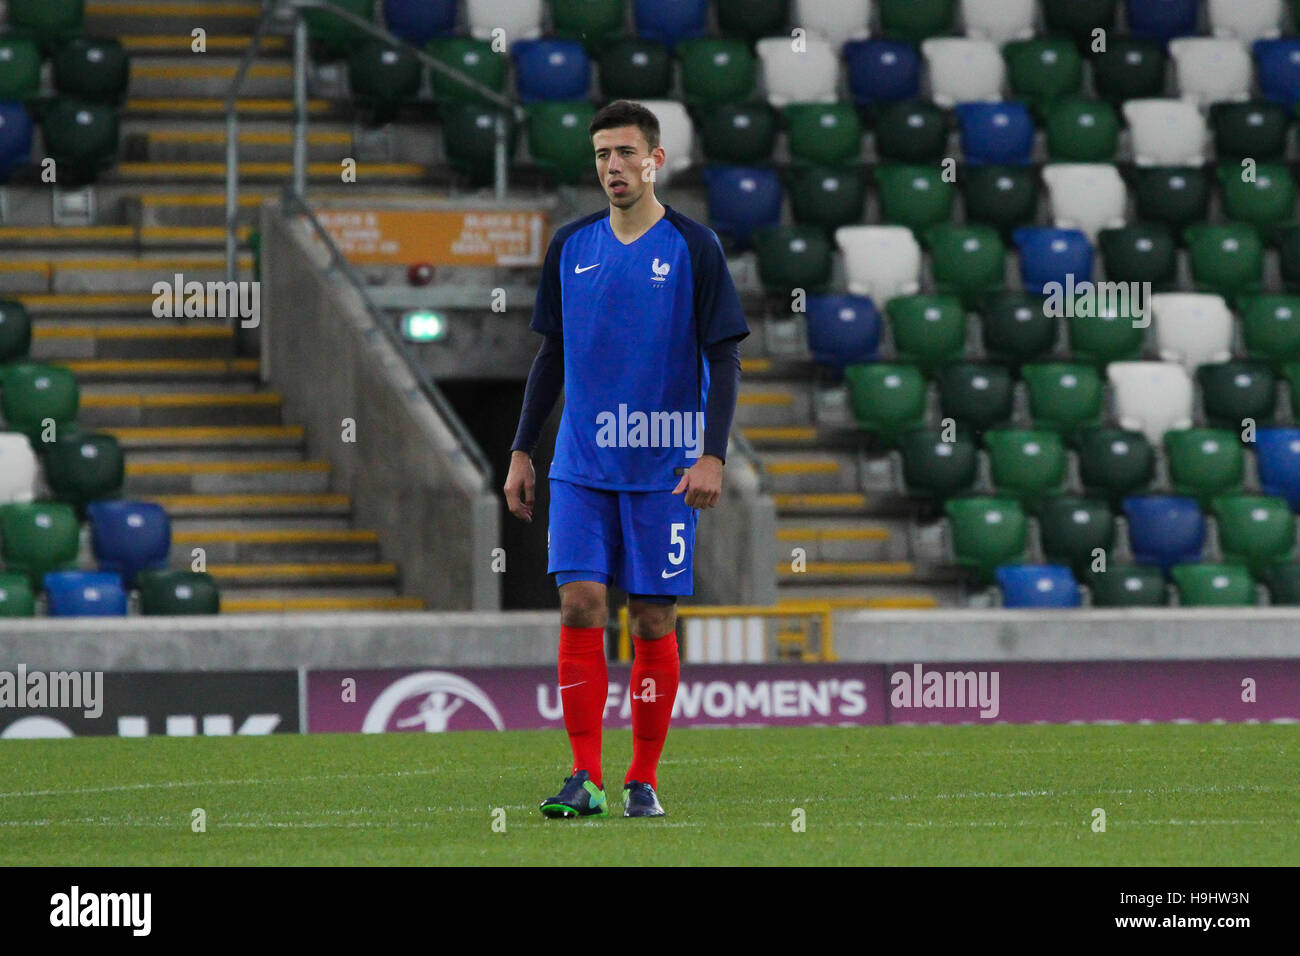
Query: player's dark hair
x=626 y=113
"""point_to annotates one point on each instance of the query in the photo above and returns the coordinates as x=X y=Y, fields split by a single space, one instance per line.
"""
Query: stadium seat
x=31 y=393
x=476 y=59
x=1245 y=20
x=20 y=67
x=1191 y=328
x=1257 y=530
x=1283 y=583
x=743 y=199
x=977 y=395
x=1132 y=585
x=129 y=536
x=752 y=19
x=880 y=261
x=469 y=138
x=50 y=21
x=1077 y=19
x=518 y=19
x=1043 y=71
x=1129 y=69
x=383 y=78
x=836 y=23
x=1211 y=70
x=882 y=71
x=1288 y=254
x=38 y=538
x=1003 y=197
x=85 y=467
x=1256 y=129
x=1082 y=131
x=1277 y=69
x=419 y=21
x=914 y=20
x=1143 y=252
x=15 y=141
x=810 y=75
x=670 y=21
x=1292 y=372
x=178 y=592
x=934 y=468
x=1063 y=396
x=1166 y=132
x=1151 y=397
x=96 y=70
x=717 y=71
x=82 y=139
x=793 y=257
x=826 y=134
x=1038 y=586
x=842 y=329
x=1161 y=20
x=999 y=134
x=1106 y=334
x=1270 y=327
x=676 y=136
x=928 y=330
x=1277 y=453
x=962 y=70
x=16 y=598
x=1114 y=463
x=914 y=196
x=986 y=532
x=333 y=35
x=1072 y=529
x=1266 y=200
x=1226 y=259
x=594 y=22
x=911 y=131
x=85 y=594
x=998 y=20
x=966 y=261
x=1029 y=463
x=551 y=70
x=1016 y=327
x=1164 y=529
x=826 y=196
x=17 y=469
x=888 y=399
x=1214 y=585
x=15 y=330
x=739 y=133
x=1204 y=462
x=1049 y=256
x=1232 y=392
x=1174 y=195
x=1089 y=197
x=558 y=139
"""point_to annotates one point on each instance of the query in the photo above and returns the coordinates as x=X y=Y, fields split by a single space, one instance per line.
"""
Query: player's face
x=626 y=164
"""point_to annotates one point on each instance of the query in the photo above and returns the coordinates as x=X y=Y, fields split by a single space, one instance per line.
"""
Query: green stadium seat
x=334 y=35
x=96 y=70
x=1078 y=19
x=793 y=257
x=1129 y=585
x=1003 y=197
x=911 y=131
x=1072 y=528
x=827 y=197
x=1214 y=585
x=1043 y=71
x=475 y=59
x=469 y=138
x=916 y=19
x=39 y=538
x=1255 y=530
x=986 y=532
x=914 y=196
x=383 y=78
x=20 y=67
x=81 y=138
x=937 y=469
x=1029 y=463
x=1227 y=259
x=887 y=399
x=1016 y=327
x=1283 y=582
x=83 y=467
x=1114 y=463
x=52 y=22
x=558 y=139
x=741 y=134
x=1257 y=130
x=30 y=393
x=1204 y=462
x=635 y=69
x=1267 y=202
x=752 y=19
x=967 y=261
x=975 y=394
x=1143 y=252
x=1082 y=131
x=717 y=70
x=825 y=134
x=1129 y=69
x=178 y=592
x=1064 y=396
x=15 y=331
x=594 y=22
x=928 y=330
x=1105 y=336
x=1175 y=195
x=16 y=598
x=1270 y=327
x=1235 y=391
x=1292 y=373
x=1288 y=254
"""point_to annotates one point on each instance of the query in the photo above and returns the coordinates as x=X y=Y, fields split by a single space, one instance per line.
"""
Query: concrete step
x=256 y=146
x=846 y=572
x=885 y=594
x=191 y=370
x=205 y=205
x=180 y=409
x=144 y=43
x=207 y=107
x=238 y=604
x=823 y=471
x=773 y=405
x=207 y=437
x=118 y=237
x=763 y=437
x=324 y=590
x=311 y=574
x=258 y=524
x=132 y=340
x=135 y=275
x=209 y=74
x=211 y=172
x=838 y=539
x=113 y=17
x=276 y=545
x=249 y=504
x=222 y=478
x=835 y=503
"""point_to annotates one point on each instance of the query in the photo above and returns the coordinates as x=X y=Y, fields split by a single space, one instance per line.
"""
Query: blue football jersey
x=635 y=319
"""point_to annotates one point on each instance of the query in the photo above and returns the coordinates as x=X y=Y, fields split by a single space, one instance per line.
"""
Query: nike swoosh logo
x=666 y=575
x=577 y=270
x=567 y=686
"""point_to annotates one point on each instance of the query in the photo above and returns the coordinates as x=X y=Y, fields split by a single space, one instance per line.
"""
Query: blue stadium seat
x=1278 y=456
x=1037 y=585
x=15 y=139
x=1161 y=20
x=419 y=21
x=842 y=329
x=996 y=134
x=1050 y=255
x=1277 y=69
x=1164 y=529
x=743 y=199
x=551 y=70
x=668 y=21
x=882 y=71
x=129 y=536
x=85 y=594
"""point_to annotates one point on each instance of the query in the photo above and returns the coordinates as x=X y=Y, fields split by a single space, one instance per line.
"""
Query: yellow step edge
x=780 y=433
x=849 y=568
x=39 y=233
x=847 y=499
x=756 y=365
x=154 y=41
x=323 y=499
x=204 y=434
x=217 y=107
x=212 y=234
x=133 y=331
x=77 y=300
x=155 y=366
x=218 y=170
x=802 y=467
x=275 y=537
x=31 y=265
x=201 y=71
x=161 y=265
x=180 y=400
x=225 y=467
x=323 y=570
x=250 y=138
x=766 y=398
x=240 y=10
x=904 y=602
x=306 y=605
x=829 y=534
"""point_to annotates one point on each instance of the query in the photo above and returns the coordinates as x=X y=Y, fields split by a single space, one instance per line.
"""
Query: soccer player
x=641 y=328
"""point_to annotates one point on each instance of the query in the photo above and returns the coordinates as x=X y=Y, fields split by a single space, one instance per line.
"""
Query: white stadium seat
x=998 y=20
x=963 y=71
x=1211 y=70
x=1246 y=20
x=1166 y=132
x=809 y=76
x=880 y=261
x=1192 y=328
x=835 y=21
x=17 y=469
x=519 y=19
x=1089 y=197
x=676 y=136
x=1151 y=397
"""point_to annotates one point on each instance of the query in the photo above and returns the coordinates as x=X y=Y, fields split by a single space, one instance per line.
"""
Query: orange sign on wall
x=459 y=237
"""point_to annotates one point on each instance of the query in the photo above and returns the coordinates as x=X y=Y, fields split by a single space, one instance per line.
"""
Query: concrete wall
x=407 y=476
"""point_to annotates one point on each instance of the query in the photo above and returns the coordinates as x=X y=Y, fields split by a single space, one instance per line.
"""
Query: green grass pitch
x=1172 y=795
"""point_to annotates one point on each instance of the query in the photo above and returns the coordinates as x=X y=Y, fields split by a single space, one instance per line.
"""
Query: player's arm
x=545 y=381
x=702 y=482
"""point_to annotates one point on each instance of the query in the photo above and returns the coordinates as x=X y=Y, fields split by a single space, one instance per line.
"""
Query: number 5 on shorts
x=675 y=537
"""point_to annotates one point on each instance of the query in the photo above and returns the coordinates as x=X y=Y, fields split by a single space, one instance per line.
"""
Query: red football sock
x=654 y=688
x=584 y=685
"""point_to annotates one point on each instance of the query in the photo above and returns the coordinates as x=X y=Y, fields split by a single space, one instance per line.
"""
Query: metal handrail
x=469 y=447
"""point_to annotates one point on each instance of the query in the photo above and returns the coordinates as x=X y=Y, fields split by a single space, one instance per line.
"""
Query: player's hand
x=702 y=483
x=519 y=486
